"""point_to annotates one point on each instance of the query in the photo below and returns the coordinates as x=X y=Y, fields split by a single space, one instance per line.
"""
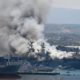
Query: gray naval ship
x=41 y=63
x=10 y=65
x=37 y=64
x=29 y=64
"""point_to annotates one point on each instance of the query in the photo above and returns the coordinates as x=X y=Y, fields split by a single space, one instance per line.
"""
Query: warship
x=10 y=65
x=39 y=64
x=29 y=64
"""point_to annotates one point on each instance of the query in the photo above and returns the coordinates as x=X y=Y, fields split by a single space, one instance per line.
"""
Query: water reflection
x=42 y=77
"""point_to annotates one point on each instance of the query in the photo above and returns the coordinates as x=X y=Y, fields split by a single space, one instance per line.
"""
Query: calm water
x=73 y=75
x=44 y=77
x=38 y=77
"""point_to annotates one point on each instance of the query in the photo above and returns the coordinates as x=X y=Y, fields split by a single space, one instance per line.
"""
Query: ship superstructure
x=35 y=62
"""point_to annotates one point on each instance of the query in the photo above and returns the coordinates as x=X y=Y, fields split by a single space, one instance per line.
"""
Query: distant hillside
x=62 y=28
x=63 y=34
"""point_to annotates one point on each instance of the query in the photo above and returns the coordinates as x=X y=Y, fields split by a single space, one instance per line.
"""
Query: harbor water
x=71 y=75
x=44 y=77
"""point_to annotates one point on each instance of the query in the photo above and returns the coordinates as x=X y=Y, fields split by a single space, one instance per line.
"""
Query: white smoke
x=60 y=54
x=53 y=52
x=31 y=30
x=19 y=43
x=22 y=22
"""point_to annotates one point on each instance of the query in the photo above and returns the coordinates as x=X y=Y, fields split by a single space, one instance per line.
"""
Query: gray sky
x=73 y=4
x=64 y=11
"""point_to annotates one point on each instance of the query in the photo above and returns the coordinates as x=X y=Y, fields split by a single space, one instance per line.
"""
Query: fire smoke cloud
x=21 y=21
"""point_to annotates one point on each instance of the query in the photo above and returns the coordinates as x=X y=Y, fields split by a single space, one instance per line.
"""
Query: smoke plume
x=22 y=22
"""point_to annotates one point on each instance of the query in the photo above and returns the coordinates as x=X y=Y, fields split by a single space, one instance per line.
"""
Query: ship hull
x=11 y=69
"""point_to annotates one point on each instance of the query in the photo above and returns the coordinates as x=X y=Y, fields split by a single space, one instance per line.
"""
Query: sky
x=64 y=12
x=73 y=4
